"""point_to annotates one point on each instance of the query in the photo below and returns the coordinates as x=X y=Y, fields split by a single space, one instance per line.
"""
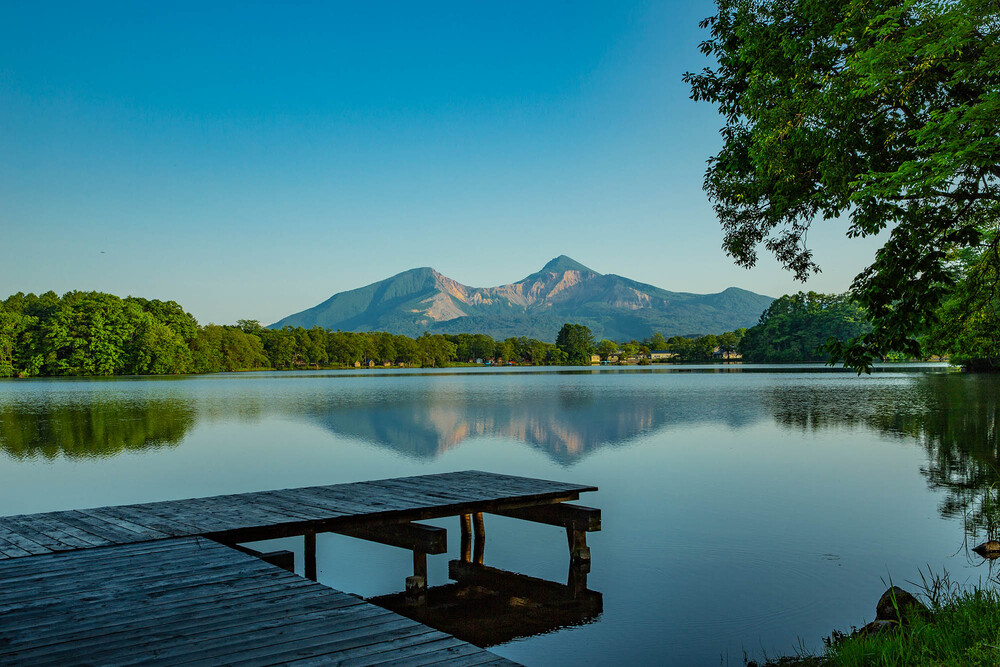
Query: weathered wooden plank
x=11 y=550
x=111 y=532
x=203 y=516
x=417 y=495
x=125 y=523
x=38 y=583
x=66 y=532
x=51 y=561
x=564 y=515
x=81 y=618
x=456 y=657
x=413 y=536
x=355 y=500
x=437 y=643
x=192 y=624
x=310 y=498
x=257 y=641
x=17 y=525
x=98 y=611
x=280 y=501
x=141 y=518
x=186 y=572
x=365 y=653
x=450 y=650
x=312 y=641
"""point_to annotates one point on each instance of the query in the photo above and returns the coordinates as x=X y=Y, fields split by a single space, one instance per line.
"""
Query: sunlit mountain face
x=563 y=290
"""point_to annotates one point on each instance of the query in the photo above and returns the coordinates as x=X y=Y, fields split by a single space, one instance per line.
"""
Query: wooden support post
x=480 y=534
x=420 y=565
x=579 y=552
x=416 y=586
x=466 y=549
x=577 y=579
x=309 y=565
x=465 y=520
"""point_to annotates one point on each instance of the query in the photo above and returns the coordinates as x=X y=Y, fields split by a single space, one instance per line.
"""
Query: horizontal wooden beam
x=577 y=517
x=284 y=559
x=413 y=536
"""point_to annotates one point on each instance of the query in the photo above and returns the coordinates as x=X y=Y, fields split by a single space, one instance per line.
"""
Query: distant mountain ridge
x=564 y=290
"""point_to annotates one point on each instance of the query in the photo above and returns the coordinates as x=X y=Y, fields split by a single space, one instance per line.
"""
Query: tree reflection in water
x=954 y=416
x=99 y=427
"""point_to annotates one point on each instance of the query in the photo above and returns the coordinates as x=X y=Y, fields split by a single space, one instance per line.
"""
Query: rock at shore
x=989 y=549
x=898 y=606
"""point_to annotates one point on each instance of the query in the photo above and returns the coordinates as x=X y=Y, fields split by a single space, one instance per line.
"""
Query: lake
x=745 y=508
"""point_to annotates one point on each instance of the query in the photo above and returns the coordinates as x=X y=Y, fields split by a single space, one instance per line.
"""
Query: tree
x=969 y=329
x=576 y=342
x=606 y=348
x=505 y=350
x=656 y=342
x=884 y=111
x=797 y=327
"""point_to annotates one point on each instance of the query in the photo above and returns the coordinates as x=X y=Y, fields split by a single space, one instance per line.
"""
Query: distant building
x=595 y=359
x=719 y=353
x=661 y=355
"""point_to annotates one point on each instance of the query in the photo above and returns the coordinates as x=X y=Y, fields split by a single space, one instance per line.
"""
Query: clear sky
x=249 y=160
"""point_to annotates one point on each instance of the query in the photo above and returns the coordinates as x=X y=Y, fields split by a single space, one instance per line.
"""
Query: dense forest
x=796 y=327
x=801 y=327
x=93 y=333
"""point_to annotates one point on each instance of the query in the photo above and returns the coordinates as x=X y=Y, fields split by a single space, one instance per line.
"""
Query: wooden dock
x=169 y=583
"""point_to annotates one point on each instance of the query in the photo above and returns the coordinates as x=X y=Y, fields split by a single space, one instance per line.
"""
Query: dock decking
x=158 y=583
x=193 y=601
x=246 y=517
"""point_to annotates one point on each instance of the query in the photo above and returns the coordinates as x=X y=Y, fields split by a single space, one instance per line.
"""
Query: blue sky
x=251 y=159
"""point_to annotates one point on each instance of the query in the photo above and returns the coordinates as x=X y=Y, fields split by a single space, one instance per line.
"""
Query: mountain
x=563 y=291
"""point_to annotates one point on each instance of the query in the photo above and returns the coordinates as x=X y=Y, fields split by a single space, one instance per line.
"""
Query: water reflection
x=488 y=606
x=565 y=424
x=954 y=416
x=99 y=427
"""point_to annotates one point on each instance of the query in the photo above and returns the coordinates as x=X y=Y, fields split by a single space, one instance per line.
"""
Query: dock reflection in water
x=489 y=607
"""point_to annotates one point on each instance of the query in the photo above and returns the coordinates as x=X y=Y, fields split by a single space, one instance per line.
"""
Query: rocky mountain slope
x=564 y=290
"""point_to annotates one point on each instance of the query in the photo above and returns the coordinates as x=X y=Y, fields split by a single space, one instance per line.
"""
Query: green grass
x=963 y=630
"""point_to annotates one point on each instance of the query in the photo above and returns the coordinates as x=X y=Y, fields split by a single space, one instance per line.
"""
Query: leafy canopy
x=576 y=342
x=884 y=111
x=797 y=326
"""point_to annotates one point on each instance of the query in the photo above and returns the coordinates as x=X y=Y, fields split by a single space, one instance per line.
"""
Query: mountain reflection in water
x=565 y=424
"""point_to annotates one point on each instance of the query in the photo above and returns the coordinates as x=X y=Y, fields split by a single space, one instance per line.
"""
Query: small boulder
x=898 y=606
x=988 y=549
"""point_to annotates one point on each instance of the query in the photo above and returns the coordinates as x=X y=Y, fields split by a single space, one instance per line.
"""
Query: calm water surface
x=743 y=510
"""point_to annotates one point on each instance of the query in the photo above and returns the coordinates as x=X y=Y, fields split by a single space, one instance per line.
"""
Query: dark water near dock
x=744 y=508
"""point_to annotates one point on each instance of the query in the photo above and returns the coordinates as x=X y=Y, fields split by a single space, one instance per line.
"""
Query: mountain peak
x=563 y=263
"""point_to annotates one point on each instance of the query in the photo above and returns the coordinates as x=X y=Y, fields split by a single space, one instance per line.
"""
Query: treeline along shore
x=100 y=334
